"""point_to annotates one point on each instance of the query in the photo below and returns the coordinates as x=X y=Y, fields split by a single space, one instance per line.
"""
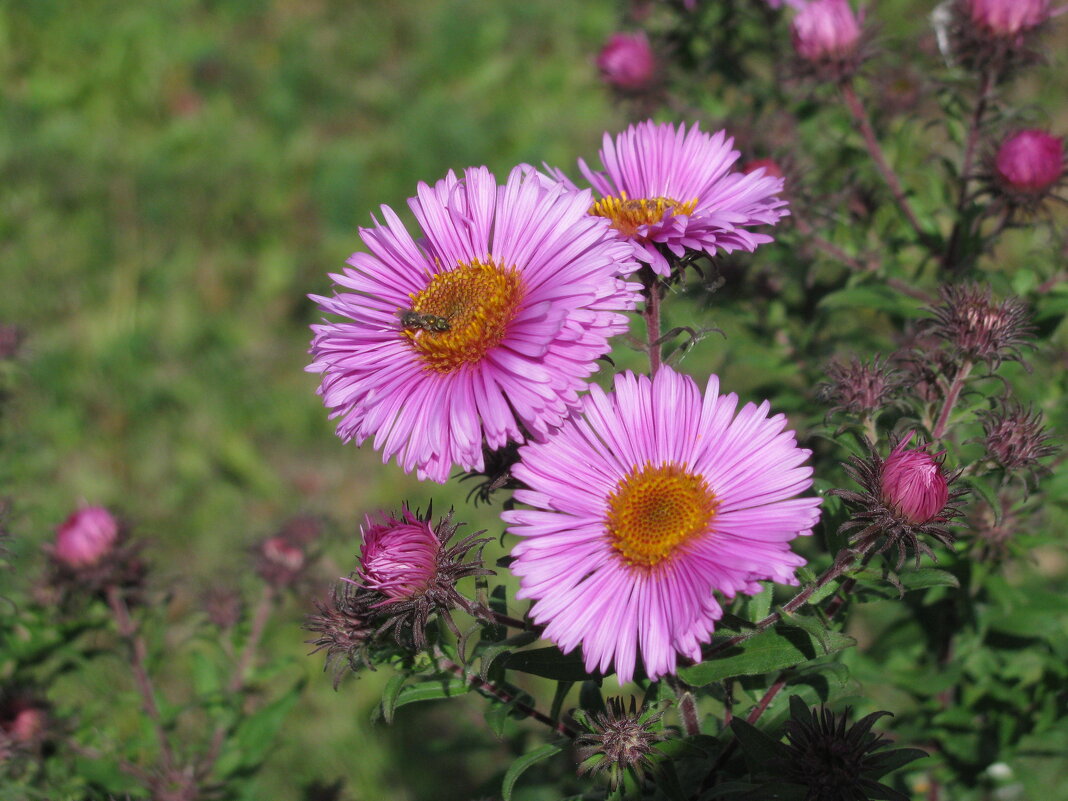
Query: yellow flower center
x=476 y=301
x=655 y=509
x=627 y=214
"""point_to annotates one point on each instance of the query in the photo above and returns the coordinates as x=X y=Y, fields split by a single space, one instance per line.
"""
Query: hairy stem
x=262 y=614
x=139 y=657
x=651 y=314
x=477 y=683
x=986 y=84
x=951 y=399
x=856 y=108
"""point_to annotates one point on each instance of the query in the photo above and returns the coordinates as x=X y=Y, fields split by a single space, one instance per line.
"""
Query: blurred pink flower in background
x=85 y=537
x=1030 y=161
x=627 y=62
x=825 y=30
x=1008 y=17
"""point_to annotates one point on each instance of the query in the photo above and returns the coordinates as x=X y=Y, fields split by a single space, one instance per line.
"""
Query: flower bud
x=627 y=62
x=980 y=327
x=826 y=31
x=85 y=538
x=399 y=557
x=1030 y=162
x=280 y=562
x=619 y=740
x=913 y=483
x=1015 y=437
x=859 y=387
x=1007 y=18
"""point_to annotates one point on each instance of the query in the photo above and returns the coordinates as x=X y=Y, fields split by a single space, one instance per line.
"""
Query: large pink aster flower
x=675 y=188
x=484 y=331
x=646 y=507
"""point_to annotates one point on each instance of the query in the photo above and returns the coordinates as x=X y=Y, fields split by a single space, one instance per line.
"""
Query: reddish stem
x=139 y=657
x=951 y=399
x=504 y=695
x=856 y=108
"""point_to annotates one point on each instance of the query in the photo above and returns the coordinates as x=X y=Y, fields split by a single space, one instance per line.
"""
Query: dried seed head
x=833 y=760
x=1015 y=437
x=345 y=628
x=859 y=387
x=979 y=327
x=619 y=740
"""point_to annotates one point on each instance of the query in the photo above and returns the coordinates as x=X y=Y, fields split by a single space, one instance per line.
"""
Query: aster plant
x=710 y=550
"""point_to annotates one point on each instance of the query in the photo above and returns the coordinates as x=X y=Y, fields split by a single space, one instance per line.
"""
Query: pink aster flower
x=671 y=187
x=482 y=332
x=653 y=501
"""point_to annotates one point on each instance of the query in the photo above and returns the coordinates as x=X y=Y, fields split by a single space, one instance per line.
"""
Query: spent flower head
x=836 y=761
x=980 y=328
x=1015 y=437
x=619 y=740
x=345 y=629
x=996 y=37
x=857 y=387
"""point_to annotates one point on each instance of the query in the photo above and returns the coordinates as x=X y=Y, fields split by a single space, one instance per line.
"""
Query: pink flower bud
x=626 y=62
x=770 y=167
x=23 y=722
x=399 y=557
x=826 y=30
x=86 y=537
x=913 y=483
x=280 y=562
x=1008 y=17
x=1030 y=161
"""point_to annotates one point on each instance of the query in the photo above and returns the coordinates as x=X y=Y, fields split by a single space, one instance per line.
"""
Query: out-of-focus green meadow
x=174 y=180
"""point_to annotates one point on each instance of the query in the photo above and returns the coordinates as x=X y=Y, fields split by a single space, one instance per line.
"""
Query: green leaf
x=494 y=652
x=431 y=691
x=517 y=768
x=878 y=765
x=562 y=689
x=255 y=734
x=924 y=577
x=549 y=663
x=389 y=696
x=760 y=750
x=773 y=649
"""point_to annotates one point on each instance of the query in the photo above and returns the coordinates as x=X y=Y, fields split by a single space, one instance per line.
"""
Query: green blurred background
x=175 y=178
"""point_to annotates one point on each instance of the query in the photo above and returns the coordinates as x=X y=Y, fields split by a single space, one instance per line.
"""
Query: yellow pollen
x=627 y=214
x=478 y=300
x=654 y=510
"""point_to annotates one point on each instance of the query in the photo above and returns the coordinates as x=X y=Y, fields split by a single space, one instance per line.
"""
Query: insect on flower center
x=476 y=300
x=629 y=214
x=655 y=509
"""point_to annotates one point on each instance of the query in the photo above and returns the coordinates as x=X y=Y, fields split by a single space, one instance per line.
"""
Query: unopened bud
x=399 y=557
x=914 y=484
x=1030 y=162
x=826 y=31
x=627 y=62
x=85 y=538
x=1007 y=18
